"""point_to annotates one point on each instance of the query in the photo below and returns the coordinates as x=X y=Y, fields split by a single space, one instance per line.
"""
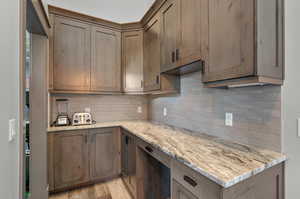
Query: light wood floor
x=114 y=189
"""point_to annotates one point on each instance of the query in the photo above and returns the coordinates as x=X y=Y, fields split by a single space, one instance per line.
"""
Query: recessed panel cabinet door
x=179 y=192
x=169 y=34
x=152 y=55
x=72 y=46
x=133 y=61
x=132 y=165
x=129 y=162
x=106 y=60
x=189 y=44
x=70 y=159
x=104 y=154
x=227 y=35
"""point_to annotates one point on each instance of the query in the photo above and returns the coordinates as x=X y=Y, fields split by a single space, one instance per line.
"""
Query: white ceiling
x=121 y=11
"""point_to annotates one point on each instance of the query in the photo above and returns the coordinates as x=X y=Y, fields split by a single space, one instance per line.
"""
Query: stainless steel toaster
x=82 y=119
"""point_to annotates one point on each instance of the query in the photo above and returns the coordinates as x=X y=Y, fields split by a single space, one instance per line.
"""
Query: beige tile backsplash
x=256 y=112
x=105 y=107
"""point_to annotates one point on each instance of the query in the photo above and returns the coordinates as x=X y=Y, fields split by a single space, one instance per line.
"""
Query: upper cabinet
x=154 y=82
x=242 y=42
x=169 y=33
x=152 y=55
x=188 y=48
x=84 y=57
x=234 y=42
x=180 y=35
x=228 y=39
x=71 y=53
x=106 y=60
x=132 y=59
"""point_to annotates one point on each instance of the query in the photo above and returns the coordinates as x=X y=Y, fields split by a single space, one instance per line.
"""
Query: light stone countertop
x=224 y=162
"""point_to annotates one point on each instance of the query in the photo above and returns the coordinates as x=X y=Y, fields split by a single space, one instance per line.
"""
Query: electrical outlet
x=229 y=119
x=87 y=110
x=165 y=111
x=139 y=109
x=12 y=130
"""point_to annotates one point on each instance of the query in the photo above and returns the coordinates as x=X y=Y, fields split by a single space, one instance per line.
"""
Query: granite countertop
x=223 y=162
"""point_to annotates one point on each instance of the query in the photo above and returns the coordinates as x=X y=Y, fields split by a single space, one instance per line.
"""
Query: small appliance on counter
x=62 y=118
x=82 y=119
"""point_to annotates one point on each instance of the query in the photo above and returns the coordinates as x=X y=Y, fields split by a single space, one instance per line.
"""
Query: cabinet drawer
x=163 y=158
x=194 y=182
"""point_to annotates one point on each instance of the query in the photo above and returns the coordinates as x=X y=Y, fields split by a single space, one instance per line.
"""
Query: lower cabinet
x=129 y=162
x=82 y=157
x=85 y=157
x=70 y=158
x=180 y=192
x=188 y=184
x=104 y=153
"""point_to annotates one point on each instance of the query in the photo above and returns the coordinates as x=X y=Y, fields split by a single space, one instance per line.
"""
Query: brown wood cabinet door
x=179 y=192
x=227 y=37
x=106 y=60
x=132 y=165
x=133 y=61
x=152 y=55
x=104 y=153
x=72 y=46
x=70 y=159
x=129 y=162
x=189 y=43
x=169 y=34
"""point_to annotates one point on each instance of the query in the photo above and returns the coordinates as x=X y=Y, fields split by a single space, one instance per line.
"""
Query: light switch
x=12 y=130
x=298 y=127
x=165 y=111
x=139 y=109
x=229 y=119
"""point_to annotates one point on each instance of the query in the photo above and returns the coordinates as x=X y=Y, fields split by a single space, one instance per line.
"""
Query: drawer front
x=163 y=158
x=194 y=182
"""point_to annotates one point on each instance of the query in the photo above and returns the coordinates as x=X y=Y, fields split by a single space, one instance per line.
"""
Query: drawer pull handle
x=173 y=56
x=149 y=149
x=190 y=181
x=177 y=54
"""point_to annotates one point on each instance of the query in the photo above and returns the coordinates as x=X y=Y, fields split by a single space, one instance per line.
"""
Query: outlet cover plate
x=139 y=109
x=229 y=119
x=165 y=111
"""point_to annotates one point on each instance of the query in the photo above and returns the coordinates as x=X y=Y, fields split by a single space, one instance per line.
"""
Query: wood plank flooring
x=114 y=189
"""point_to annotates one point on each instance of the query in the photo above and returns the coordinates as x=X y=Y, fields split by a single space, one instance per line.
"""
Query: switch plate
x=298 y=127
x=165 y=111
x=229 y=119
x=139 y=109
x=12 y=130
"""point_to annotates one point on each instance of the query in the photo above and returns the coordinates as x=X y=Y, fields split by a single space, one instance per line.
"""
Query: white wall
x=9 y=85
x=291 y=99
x=121 y=11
